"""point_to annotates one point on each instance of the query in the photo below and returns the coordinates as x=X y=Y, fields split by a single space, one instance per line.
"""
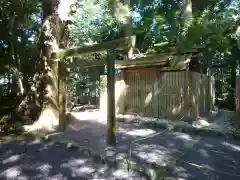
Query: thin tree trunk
x=128 y=26
x=187 y=11
x=185 y=22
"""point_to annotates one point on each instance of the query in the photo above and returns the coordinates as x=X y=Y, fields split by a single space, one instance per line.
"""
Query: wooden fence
x=161 y=94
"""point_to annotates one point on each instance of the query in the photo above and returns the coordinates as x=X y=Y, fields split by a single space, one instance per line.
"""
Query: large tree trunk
x=43 y=101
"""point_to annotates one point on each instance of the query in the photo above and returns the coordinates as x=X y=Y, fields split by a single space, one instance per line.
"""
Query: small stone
x=69 y=145
x=180 y=129
x=96 y=157
x=103 y=160
x=196 y=131
x=58 y=143
x=153 y=165
x=220 y=134
x=87 y=152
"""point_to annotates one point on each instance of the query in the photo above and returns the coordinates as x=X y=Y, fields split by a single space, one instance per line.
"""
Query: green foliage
x=86 y=22
x=18 y=50
x=93 y=22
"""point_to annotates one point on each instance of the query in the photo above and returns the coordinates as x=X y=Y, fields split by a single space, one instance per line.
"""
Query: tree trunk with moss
x=43 y=102
x=53 y=38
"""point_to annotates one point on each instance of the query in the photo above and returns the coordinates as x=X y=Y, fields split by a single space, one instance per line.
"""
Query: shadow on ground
x=35 y=160
x=184 y=156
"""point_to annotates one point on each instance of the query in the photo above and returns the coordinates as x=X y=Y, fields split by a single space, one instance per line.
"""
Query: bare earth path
x=34 y=160
x=191 y=157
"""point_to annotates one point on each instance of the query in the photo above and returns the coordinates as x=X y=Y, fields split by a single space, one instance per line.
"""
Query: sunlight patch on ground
x=182 y=136
x=101 y=170
x=37 y=141
x=120 y=173
x=82 y=171
x=90 y=116
x=11 y=159
x=74 y=162
x=44 y=168
x=12 y=173
x=203 y=152
x=72 y=127
x=153 y=154
x=137 y=132
x=232 y=146
x=86 y=170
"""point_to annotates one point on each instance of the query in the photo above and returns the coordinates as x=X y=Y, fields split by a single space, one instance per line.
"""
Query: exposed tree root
x=47 y=122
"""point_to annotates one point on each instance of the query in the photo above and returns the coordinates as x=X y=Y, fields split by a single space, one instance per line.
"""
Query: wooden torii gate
x=58 y=58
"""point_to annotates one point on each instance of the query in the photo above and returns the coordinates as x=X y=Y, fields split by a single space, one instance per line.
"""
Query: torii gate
x=58 y=58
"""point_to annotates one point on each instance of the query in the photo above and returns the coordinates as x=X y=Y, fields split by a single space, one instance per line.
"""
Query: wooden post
x=237 y=86
x=62 y=104
x=213 y=96
x=111 y=119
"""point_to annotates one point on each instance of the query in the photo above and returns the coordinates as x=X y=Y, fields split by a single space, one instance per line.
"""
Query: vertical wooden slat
x=181 y=100
x=155 y=91
x=145 y=93
x=151 y=85
x=164 y=94
x=177 y=93
x=130 y=92
x=161 y=97
x=168 y=90
x=147 y=103
x=138 y=84
x=136 y=94
x=133 y=92
x=173 y=96
x=158 y=79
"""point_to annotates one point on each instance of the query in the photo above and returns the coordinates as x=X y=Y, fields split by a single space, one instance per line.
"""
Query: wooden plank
x=135 y=90
x=159 y=105
x=118 y=64
x=155 y=94
x=124 y=43
x=128 y=64
x=121 y=64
